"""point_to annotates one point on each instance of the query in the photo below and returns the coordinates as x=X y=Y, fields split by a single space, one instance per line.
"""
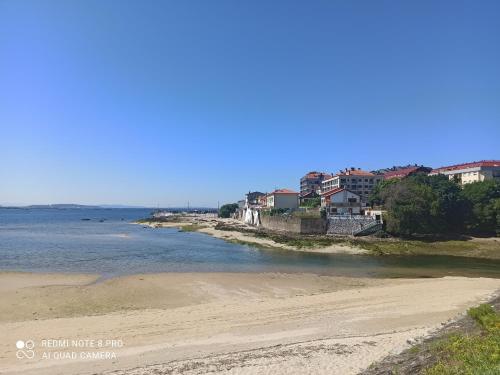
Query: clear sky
x=161 y=102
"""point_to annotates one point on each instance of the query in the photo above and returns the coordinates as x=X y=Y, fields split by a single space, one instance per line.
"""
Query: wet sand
x=231 y=323
x=207 y=226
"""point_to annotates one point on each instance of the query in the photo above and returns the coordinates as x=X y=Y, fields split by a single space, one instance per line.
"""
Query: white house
x=341 y=201
x=283 y=198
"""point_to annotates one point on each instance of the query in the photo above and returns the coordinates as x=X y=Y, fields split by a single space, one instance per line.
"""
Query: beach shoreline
x=239 y=232
x=235 y=231
x=233 y=323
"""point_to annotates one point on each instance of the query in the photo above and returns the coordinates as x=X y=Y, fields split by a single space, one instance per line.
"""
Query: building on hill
x=405 y=172
x=283 y=198
x=311 y=182
x=340 y=201
x=471 y=172
x=355 y=180
x=395 y=168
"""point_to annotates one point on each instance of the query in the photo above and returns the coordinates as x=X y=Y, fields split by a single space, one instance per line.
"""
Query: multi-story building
x=471 y=172
x=283 y=198
x=311 y=182
x=341 y=201
x=354 y=179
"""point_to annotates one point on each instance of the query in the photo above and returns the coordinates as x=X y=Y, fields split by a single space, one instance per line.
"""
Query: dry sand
x=223 y=323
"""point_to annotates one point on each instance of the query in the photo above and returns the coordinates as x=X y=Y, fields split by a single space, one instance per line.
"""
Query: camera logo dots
x=25 y=349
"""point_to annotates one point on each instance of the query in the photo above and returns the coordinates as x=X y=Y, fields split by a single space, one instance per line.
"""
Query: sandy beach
x=230 y=323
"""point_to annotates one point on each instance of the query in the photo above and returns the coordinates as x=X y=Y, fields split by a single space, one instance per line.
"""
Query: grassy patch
x=467 y=248
x=470 y=354
x=191 y=228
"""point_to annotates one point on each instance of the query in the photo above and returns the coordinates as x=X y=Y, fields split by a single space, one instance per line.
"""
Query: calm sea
x=104 y=241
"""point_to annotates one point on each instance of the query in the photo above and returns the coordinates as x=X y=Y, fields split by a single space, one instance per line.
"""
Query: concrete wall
x=294 y=224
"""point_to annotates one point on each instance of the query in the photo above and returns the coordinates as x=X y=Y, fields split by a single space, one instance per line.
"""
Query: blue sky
x=161 y=102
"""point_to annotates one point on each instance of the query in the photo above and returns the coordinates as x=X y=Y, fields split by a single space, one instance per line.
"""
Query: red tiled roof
x=400 y=172
x=474 y=164
x=356 y=172
x=315 y=174
x=335 y=191
x=283 y=191
x=331 y=192
x=353 y=172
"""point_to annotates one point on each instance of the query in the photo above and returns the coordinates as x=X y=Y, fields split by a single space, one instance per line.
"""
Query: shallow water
x=50 y=240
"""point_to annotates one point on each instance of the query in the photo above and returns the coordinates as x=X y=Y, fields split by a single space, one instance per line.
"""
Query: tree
x=409 y=207
x=376 y=198
x=449 y=208
x=423 y=204
x=228 y=209
x=484 y=200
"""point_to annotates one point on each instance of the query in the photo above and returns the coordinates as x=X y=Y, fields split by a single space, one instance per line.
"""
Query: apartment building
x=311 y=182
x=354 y=179
x=471 y=172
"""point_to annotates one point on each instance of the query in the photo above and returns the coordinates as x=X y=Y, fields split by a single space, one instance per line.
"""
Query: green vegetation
x=484 y=202
x=470 y=354
x=313 y=202
x=478 y=248
x=435 y=205
x=228 y=209
x=191 y=227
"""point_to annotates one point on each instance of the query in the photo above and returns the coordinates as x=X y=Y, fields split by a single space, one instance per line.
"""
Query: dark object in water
x=102 y=220
x=85 y=219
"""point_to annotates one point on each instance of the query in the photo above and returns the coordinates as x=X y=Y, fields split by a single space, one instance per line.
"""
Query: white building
x=471 y=172
x=341 y=201
x=283 y=198
x=356 y=180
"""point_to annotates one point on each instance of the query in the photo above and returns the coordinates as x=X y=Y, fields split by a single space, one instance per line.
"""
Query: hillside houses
x=348 y=191
x=471 y=172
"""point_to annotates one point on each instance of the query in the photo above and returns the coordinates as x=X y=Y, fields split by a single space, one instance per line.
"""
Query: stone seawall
x=294 y=224
x=349 y=224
